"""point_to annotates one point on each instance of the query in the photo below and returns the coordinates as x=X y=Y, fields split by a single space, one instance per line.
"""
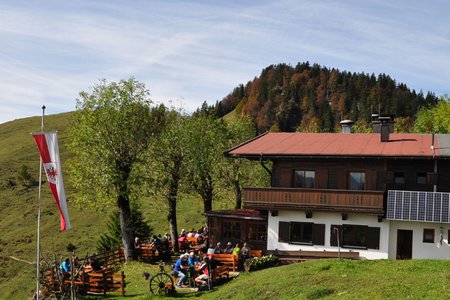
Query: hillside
x=18 y=208
x=315 y=98
x=328 y=279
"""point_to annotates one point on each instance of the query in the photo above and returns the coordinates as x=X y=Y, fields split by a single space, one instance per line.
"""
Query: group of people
x=190 y=268
x=91 y=265
x=242 y=253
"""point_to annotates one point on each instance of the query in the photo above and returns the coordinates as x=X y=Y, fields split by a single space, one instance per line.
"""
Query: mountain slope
x=314 y=98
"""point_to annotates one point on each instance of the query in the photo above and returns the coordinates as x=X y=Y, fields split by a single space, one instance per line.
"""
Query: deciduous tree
x=111 y=131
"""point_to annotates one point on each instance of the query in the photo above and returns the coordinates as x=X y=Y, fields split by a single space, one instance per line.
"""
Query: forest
x=312 y=98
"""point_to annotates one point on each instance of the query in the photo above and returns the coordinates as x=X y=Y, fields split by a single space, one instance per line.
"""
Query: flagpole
x=38 y=254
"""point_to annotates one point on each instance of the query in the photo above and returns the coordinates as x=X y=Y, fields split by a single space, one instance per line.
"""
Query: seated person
x=202 y=279
x=180 y=267
x=65 y=266
x=93 y=265
x=228 y=249
x=246 y=251
x=193 y=260
x=218 y=249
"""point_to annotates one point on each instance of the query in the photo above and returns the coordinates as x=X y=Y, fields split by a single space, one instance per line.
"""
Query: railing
x=318 y=199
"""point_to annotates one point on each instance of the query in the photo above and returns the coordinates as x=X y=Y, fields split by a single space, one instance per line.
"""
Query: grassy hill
x=329 y=279
x=18 y=208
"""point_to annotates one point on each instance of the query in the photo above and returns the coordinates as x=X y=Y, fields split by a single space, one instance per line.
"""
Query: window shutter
x=371 y=180
x=332 y=179
x=285 y=179
x=389 y=177
x=318 y=237
x=283 y=232
x=333 y=235
x=373 y=237
x=321 y=180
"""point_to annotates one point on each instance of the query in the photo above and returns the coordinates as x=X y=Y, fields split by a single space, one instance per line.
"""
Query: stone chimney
x=386 y=127
x=346 y=126
x=376 y=124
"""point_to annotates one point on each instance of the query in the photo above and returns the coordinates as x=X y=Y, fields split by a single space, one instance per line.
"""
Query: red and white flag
x=47 y=143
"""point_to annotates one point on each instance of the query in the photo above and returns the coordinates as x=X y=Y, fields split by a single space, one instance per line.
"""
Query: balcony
x=314 y=199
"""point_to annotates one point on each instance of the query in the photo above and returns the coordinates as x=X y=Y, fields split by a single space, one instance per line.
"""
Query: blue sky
x=187 y=52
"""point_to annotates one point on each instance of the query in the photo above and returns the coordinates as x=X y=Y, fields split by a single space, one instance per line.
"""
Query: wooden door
x=404 y=244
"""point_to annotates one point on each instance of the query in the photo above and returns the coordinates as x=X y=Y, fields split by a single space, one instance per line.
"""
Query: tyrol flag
x=47 y=143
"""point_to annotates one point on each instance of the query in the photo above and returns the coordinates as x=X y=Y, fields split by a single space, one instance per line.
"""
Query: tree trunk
x=208 y=191
x=172 y=196
x=126 y=225
x=126 y=228
x=238 y=194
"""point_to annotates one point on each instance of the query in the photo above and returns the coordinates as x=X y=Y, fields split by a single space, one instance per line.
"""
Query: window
x=301 y=233
x=421 y=178
x=231 y=230
x=304 y=179
x=399 y=178
x=428 y=235
x=357 y=180
x=355 y=236
x=257 y=232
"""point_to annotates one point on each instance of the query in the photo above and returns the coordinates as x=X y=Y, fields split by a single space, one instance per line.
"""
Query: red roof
x=336 y=144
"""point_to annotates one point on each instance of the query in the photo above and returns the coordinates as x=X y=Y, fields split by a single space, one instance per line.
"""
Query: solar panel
x=418 y=206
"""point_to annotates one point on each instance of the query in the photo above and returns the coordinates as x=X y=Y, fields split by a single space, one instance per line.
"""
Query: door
x=404 y=244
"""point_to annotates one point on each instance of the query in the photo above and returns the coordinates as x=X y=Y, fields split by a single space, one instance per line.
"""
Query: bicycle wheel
x=161 y=283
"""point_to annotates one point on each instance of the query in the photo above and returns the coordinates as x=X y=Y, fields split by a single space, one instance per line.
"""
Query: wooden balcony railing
x=314 y=199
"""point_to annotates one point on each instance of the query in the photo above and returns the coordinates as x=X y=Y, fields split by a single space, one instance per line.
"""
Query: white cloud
x=194 y=51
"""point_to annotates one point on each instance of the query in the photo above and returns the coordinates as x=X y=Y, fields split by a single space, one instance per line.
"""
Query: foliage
x=435 y=119
x=110 y=132
x=24 y=176
x=237 y=172
x=361 y=126
x=111 y=239
x=259 y=263
x=71 y=247
x=204 y=152
x=168 y=170
x=112 y=129
x=312 y=98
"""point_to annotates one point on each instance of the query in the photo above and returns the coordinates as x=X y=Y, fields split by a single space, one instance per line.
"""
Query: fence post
x=122 y=283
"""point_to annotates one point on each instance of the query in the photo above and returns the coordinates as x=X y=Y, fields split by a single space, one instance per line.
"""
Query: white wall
x=420 y=249
x=328 y=218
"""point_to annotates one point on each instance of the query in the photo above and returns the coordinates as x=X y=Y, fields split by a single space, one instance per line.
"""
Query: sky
x=188 y=52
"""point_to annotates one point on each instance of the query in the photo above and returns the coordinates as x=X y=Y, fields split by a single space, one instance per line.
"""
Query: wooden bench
x=193 y=241
x=229 y=260
x=299 y=256
x=218 y=272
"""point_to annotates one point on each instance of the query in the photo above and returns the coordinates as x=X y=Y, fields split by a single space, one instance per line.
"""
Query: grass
x=329 y=279
x=18 y=209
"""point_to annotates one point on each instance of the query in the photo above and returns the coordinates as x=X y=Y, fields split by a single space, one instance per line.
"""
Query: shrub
x=259 y=263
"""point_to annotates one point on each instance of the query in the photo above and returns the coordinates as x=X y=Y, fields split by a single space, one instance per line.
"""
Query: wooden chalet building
x=383 y=195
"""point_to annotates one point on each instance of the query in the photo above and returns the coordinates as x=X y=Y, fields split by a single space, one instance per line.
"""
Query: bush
x=259 y=263
x=113 y=239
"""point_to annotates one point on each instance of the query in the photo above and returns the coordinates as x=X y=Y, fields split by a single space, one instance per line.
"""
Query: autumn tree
x=112 y=128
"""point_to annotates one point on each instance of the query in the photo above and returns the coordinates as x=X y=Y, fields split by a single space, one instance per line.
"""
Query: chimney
x=346 y=126
x=376 y=124
x=387 y=126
